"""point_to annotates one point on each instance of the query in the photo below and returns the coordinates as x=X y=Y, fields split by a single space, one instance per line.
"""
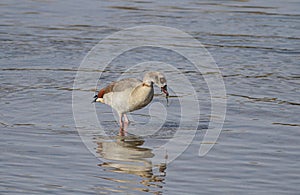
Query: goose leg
x=123 y=124
x=126 y=119
x=121 y=121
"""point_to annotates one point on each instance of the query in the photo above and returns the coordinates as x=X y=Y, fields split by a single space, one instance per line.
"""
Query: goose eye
x=162 y=80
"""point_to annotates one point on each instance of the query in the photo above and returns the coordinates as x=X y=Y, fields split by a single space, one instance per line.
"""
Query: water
x=256 y=46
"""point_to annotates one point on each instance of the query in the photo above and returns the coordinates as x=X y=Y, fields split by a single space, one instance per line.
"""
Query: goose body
x=131 y=94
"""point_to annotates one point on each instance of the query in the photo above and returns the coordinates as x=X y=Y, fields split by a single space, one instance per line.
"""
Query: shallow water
x=255 y=43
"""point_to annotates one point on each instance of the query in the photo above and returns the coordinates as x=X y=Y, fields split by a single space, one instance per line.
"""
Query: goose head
x=158 y=79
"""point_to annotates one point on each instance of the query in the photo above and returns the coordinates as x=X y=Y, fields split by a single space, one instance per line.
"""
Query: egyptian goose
x=131 y=94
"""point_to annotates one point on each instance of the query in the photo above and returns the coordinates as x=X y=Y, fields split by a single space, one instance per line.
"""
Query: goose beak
x=164 y=89
x=95 y=98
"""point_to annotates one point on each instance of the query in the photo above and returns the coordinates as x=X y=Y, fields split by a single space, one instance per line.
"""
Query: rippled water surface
x=256 y=45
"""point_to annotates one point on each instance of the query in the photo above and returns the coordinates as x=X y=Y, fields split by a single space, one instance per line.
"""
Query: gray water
x=255 y=44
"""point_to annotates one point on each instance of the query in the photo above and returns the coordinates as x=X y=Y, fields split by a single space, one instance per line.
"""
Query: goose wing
x=119 y=86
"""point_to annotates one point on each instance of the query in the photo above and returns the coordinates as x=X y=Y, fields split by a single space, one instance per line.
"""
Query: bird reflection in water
x=125 y=154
